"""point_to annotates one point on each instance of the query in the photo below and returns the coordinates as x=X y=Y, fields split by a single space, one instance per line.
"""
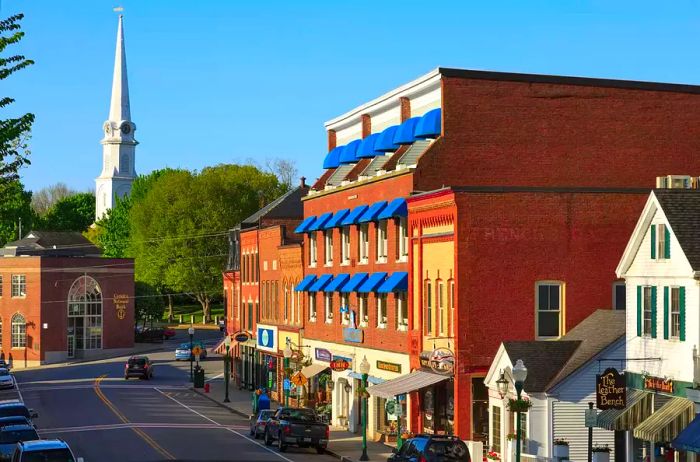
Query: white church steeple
x=118 y=144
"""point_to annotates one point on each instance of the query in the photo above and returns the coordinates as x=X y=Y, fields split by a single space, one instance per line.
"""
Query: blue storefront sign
x=267 y=338
x=323 y=355
x=353 y=335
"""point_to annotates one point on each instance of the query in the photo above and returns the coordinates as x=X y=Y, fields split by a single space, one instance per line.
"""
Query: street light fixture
x=190 y=331
x=502 y=385
x=227 y=365
x=364 y=370
x=519 y=376
x=287 y=353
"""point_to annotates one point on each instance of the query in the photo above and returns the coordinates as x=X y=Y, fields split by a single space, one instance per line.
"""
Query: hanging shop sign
x=391 y=367
x=241 y=337
x=393 y=409
x=120 y=302
x=611 y=390
x=353 y=335
x=440 y=360
x=322 y=354
x=340 y=365
x=267 y=338
x=658 y=384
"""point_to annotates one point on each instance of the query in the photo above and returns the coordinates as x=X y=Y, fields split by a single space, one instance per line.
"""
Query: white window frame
x=328 y=247
x=451 y=299
x=401 y=311
x=328 y=306
x=362 y=302
x=363 y=244
x=647 y=302
x=561 y=310
x=345 y=301
x=19 y=286
x=402 y=238
x=382 y=241
x=313 y=249
x=672 y=312
x=615 y=285
x=312 y=307
x=382 y=314
x=18 y=331
x=345 y=245
x=428 y=325
x=441 y=308
x=661 y=242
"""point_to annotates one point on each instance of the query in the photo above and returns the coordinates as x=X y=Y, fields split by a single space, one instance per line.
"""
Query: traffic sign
x=591 y=418
x=197 y=350
x=340 y=365
x=299 y=379
x=286 y=385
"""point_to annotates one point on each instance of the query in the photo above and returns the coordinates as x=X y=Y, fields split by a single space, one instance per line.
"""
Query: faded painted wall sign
x=120 y=302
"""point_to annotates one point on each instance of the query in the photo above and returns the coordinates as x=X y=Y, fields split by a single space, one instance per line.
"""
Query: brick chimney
x=366 y=125
x=302 y=182
x=331 y=139
x=405 y=108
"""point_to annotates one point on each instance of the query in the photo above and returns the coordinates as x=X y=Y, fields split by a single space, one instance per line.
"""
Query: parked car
x=14 y=407
x=43 y=451
x=258 y=422
x=5 y=364
x=10 y=435
x=183 y=351
x=297 y=426
x=432 y=448
x=15 y=420
x=138 y=366
x=168 y=333
x=6 y=379
x=148 y=335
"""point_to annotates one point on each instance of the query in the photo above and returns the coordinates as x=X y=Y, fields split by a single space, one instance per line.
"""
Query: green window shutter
x=639 y=311
x=653 y=312
x=653 y=242
x=667 y=242
x=682 y=301
x=665 y=313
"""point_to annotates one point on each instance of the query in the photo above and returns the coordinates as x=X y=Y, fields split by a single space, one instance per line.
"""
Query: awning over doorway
x=666 y=423
x=314 y=369
x=639 y=406
x=371 y=379
x=689 y=439
x=406 y=384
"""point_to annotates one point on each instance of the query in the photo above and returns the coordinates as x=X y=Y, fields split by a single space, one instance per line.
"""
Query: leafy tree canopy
x=72 y=213
x=14 y=206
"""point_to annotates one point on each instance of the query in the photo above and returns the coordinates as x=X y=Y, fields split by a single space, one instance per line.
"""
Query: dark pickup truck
x=297 y=426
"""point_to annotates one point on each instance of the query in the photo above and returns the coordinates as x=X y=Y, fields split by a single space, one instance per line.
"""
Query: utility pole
x=20 y=228
x=590 y=438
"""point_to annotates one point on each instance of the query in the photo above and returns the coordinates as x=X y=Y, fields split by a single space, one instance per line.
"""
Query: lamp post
x=287 y=355
x=519 y=376
x=364 y=370
x=191 y=332
x=227 y=365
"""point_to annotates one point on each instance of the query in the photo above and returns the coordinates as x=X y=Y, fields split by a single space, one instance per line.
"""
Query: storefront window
x=496 y=429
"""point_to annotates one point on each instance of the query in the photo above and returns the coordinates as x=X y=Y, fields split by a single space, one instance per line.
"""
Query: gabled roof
x=682 y=210
x=544 y=359
x=58 y=243
x=288 y=205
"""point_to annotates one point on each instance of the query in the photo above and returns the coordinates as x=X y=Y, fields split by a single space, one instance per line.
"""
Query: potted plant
x=321 y=391
x=600 y=453
x=493 y=455
x=519 y=405
x=343 y=420
x=561 y=448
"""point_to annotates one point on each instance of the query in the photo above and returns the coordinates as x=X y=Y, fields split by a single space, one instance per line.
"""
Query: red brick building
x=60 y=300
x=520 y=191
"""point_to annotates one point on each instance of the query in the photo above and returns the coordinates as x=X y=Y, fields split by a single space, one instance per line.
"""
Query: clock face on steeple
x=125 y=128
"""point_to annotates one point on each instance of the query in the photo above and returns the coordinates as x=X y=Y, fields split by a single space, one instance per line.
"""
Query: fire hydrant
x=206 y=387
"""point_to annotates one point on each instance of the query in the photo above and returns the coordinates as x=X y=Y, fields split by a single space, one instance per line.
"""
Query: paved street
x=105 y=418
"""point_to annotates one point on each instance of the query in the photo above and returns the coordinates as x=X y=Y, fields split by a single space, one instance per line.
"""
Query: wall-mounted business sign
x=240 y=337
x=267 y=338
x=349 y=360
x=391 y=367
x=340 y=365
x=658 y=384
x=440 y=360
x=324 y=355
x=353 y=335
x=611 y=390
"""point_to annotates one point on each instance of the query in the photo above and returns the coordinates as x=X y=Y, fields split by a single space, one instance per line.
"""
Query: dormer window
x=660 y=242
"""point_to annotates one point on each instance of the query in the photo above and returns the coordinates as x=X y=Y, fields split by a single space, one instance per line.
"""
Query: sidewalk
x=343 y=445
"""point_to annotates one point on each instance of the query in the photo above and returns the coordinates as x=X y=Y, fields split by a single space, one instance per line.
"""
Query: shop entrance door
x=343 y=408
x=71 y=346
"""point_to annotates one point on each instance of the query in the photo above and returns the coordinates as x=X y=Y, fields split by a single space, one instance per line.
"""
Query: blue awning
x=337 y=283
x=305 y=283
x=320 y=222
x=321 y=283
x=385 y=142
x=354 y=216
x=397 y=282
x=332 y=159
x=355 y=281
x=405 y=132
x=689 y=438
x=372 y=282
x=370 y=378
x=396 y=208
x=304 y=225
x=366 y=148
x=335 y=220
x=429 y=126
x=372 y=212
x=348 y=154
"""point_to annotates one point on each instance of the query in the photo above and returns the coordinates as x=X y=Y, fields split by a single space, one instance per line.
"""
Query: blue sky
x=217 y=81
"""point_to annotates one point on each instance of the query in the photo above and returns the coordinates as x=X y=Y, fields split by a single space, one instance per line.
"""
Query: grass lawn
x=196 y=309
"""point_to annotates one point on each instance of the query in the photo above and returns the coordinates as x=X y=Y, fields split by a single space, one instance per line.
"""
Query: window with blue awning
x=321 y=283
x=304 y=225
x=396 y=208
x=366 y=149
x=337 y=283
x=429 y=126
x=405 y=134
x=372 y=282
x=397 y=282
x=354 y=216
x=689 y=438
x=372 y=212
x=348 y=154
x=305 y=283
x=385 y=142
x=332 y=159
x=355 y=281
x=335 y=220
x=320 y=222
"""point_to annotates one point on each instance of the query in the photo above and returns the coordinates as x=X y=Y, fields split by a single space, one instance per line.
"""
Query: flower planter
x=603 y=456
x=560 y=451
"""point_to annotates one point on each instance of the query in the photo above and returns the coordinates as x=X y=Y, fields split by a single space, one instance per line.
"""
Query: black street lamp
x=227 y=365
x=519 y=376
x=364 y=370
x=191 y=332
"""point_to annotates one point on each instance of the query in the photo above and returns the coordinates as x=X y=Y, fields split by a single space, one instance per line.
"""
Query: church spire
x=119 y=107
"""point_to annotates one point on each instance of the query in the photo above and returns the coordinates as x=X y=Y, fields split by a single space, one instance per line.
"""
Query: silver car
x=6 y=379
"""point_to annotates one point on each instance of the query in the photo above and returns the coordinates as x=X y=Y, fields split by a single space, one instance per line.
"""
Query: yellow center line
x=150 y=441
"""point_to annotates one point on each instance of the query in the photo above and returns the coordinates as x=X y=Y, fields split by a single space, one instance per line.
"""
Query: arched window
x=85 y=313
x=19 y=331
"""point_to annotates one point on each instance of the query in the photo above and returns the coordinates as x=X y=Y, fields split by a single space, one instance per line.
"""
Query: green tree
x=16 y=205
x=149 y=303
x=179 y=230
x=13 y=131
x=72 y=213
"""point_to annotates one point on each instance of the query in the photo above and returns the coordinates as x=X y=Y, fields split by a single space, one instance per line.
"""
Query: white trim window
x=451 y=295
x=647 y=310
x=363 y=243
x=381 y=241
x=312 y=306
x=345 y=245
x=19 y=331
x=381 y=310
x=313 y=249
x=328 y=299
x=675 y=312
x=362 y=309
x=661 y=236
x=402 y=239
x=328 y=247
x=442 y=311
x=549 y=307
x=401 y=311
x=345 y=303
x=619 y=296
x=19 y=285
x=428 y=303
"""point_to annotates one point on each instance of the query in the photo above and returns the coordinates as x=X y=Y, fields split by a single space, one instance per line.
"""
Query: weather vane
x=118 y=9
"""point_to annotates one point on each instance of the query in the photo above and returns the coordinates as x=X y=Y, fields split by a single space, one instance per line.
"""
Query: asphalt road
x=107 y=419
